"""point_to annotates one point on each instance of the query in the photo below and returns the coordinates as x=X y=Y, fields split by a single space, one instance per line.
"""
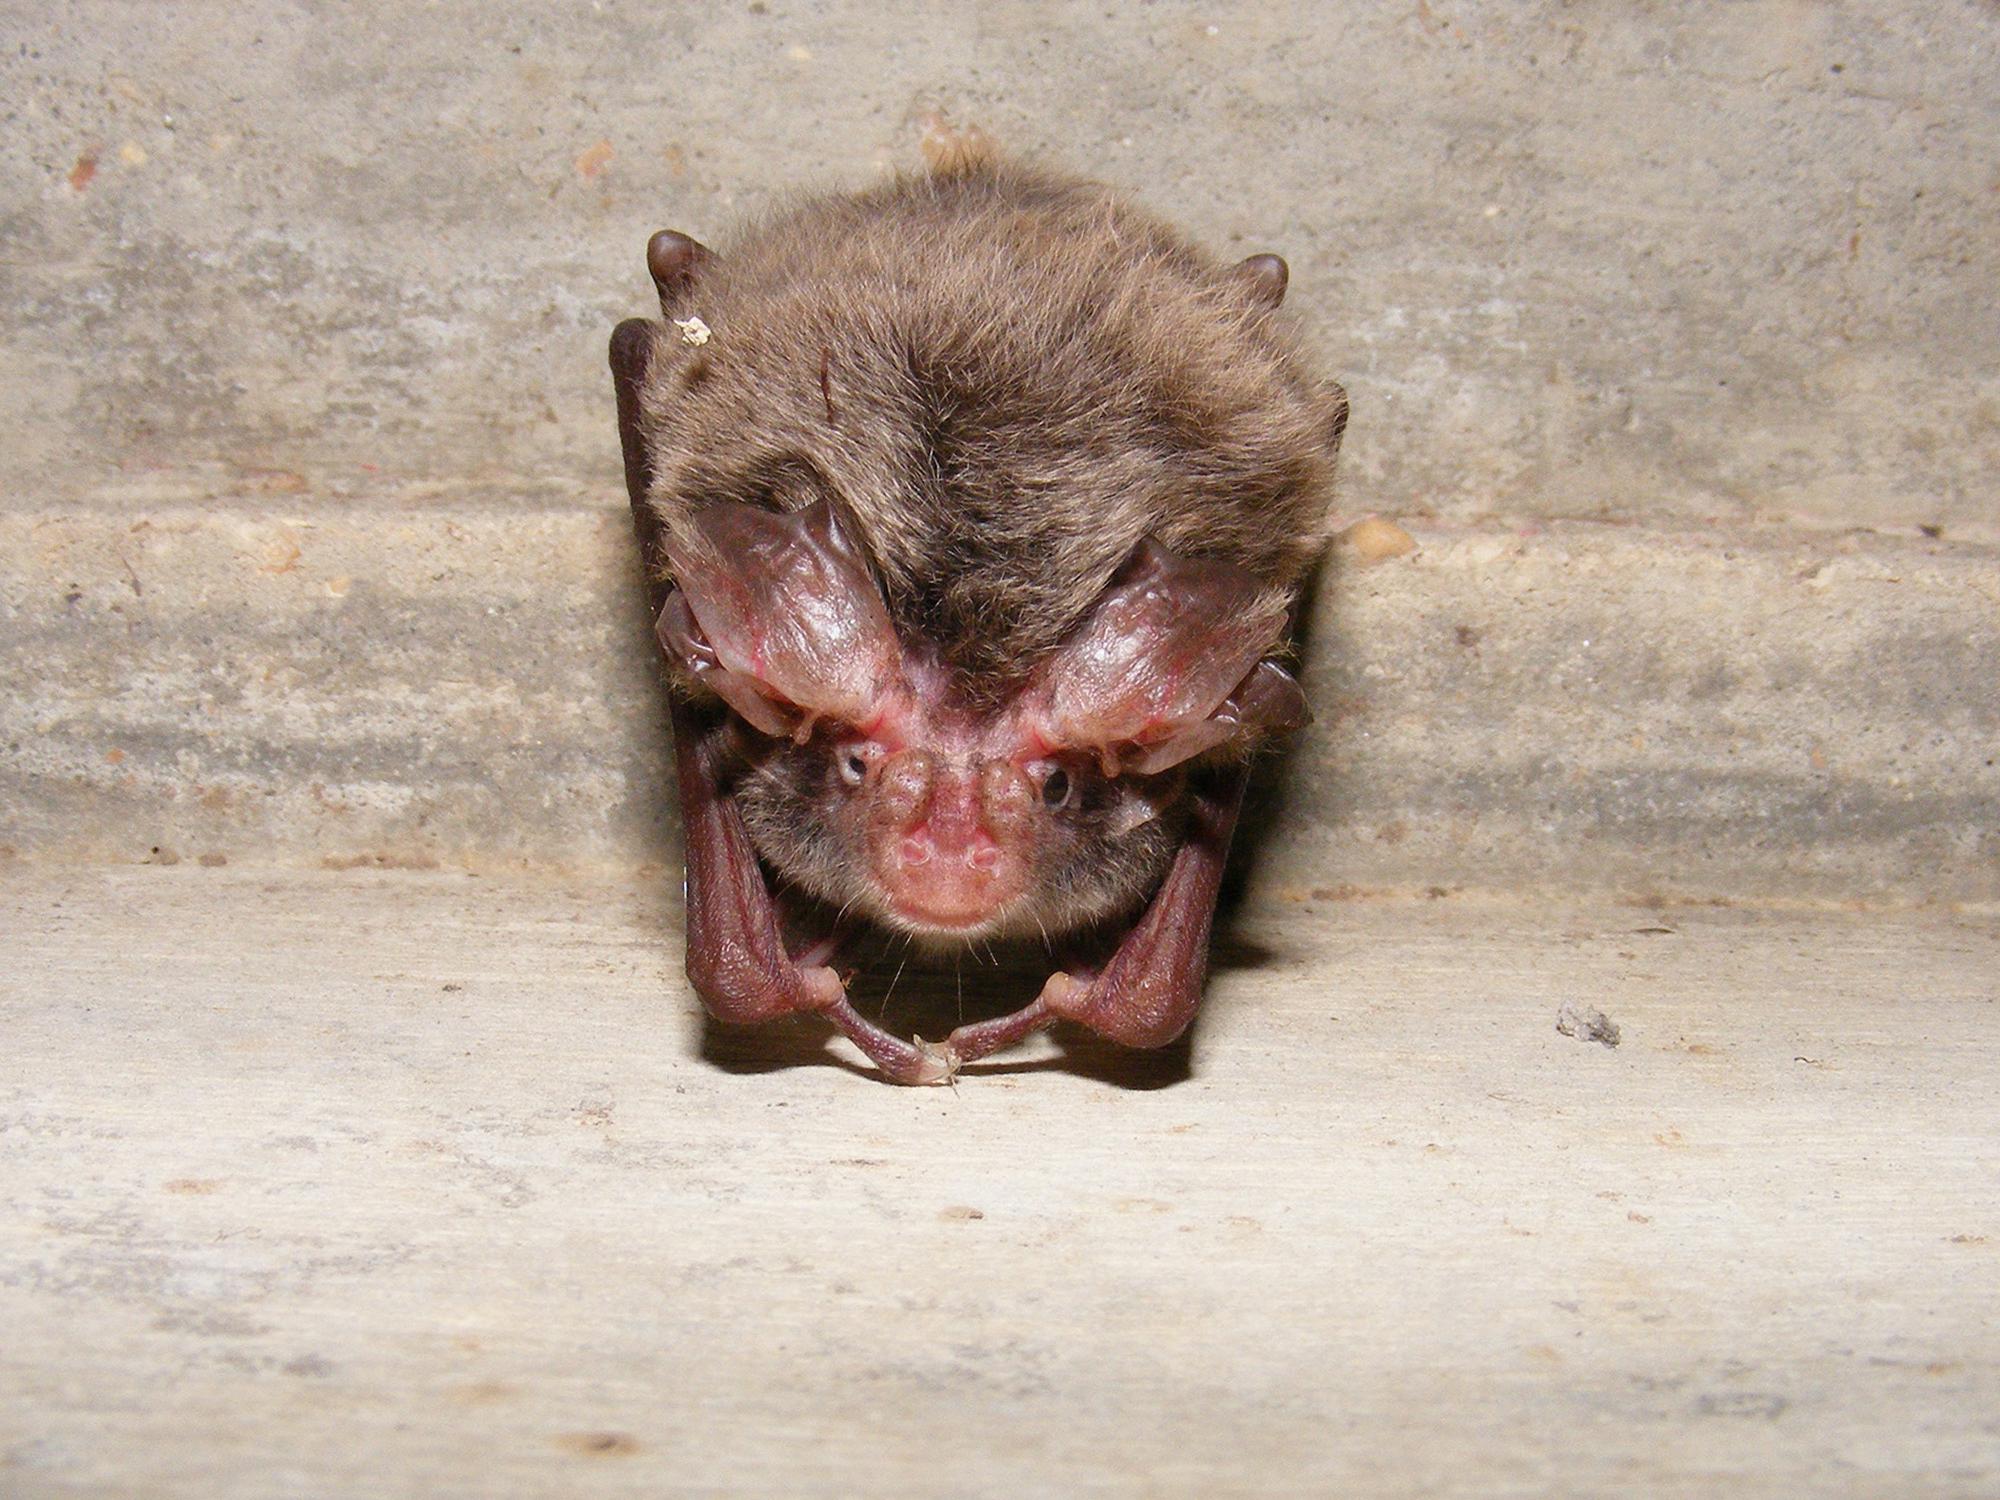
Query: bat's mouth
x=943 y=924
x=932 y=935
x=949 y=895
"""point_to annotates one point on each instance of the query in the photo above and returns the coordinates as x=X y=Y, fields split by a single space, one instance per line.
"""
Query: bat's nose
x=943 y=859
x=949 y=827
x=906 y=779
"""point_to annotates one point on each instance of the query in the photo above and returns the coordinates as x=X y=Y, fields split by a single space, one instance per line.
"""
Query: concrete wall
x=1669 y=333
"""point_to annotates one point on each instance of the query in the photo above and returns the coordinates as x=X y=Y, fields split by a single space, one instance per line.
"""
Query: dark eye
x=853 y=769
x=1055 y=789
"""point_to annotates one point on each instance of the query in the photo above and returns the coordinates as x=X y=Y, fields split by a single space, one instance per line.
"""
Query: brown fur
x=1027 y=377
x=1004 y=379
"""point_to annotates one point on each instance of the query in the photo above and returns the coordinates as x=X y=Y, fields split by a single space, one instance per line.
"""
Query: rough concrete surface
x=407 y=1184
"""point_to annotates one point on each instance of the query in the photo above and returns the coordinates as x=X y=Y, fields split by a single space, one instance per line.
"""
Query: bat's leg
x=1146 y=995
x=736 y=956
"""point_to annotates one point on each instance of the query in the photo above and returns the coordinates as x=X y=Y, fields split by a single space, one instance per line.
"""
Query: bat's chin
x=947 y=904
x=937 y=925
x=945 y=913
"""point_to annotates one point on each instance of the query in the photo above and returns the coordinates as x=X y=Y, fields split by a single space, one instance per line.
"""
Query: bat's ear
x=1168 y=664
x=1264 y=277
x=676 y=262
x=779 y=615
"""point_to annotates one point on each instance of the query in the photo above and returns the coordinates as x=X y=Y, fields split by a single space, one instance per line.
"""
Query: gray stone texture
x=1714 y=264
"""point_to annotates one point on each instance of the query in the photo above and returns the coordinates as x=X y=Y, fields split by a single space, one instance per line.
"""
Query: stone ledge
x=1673 y=714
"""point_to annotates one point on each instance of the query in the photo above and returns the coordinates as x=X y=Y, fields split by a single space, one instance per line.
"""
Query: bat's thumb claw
x=1065 y=994
x=823 y=988
x=937 y=1064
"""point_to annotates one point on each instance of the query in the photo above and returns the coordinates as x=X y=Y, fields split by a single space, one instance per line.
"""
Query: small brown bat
x=974 y=509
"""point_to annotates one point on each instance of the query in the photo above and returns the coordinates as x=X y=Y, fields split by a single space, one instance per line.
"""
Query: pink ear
x=778 y=614
x=1167 y=666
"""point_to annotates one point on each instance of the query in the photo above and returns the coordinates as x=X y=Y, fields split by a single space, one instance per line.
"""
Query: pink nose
x=943 y=858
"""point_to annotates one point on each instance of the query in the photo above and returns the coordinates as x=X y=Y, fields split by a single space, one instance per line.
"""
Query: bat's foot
x=981 y=1038
x=914 y=1062
x=930 y=1063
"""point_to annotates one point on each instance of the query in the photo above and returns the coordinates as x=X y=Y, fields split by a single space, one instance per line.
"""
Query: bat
x=974 y=511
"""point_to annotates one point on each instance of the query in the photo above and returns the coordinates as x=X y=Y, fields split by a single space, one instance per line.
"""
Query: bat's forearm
x=736 y=956
x=1149 y=991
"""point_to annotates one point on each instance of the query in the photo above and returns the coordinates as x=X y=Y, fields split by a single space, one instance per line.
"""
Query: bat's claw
x=937 y=1063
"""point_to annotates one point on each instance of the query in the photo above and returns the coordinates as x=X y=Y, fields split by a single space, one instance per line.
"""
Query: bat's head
x=874 y=783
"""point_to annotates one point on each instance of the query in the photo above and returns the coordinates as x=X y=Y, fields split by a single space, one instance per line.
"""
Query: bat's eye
x=1055 y=788
x=855 y=760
